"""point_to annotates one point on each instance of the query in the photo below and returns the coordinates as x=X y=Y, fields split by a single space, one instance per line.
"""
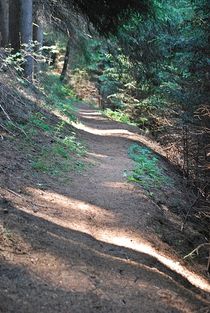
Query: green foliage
x=118 y=116
x=59 y=96
x=41 y=165
x=39 y=120
x=147 y=171
x=59 y=151
x=154 y=64
x=16 y=60
x=60 y=157
x=72 y=145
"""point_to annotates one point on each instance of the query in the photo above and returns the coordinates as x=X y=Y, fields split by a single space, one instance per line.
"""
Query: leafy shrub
x=39 y=120
x=147 y=171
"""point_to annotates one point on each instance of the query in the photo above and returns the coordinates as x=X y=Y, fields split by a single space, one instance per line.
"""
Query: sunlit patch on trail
x=92 y=115
x=95 y=113
x=70 y=208
x=132 y=134
x=136 y=244
x=97 y=155
x=102 y=132
x=123 y=185
x=109 y=233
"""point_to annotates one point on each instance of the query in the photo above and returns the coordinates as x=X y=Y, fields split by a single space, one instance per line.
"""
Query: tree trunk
x=38 y=34
x=4 y=22
x=14 y=24
x=26 y=28
x=66 y=61
x=38 y=39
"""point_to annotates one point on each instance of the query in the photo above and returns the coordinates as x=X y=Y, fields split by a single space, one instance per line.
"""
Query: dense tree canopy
x=106 y=16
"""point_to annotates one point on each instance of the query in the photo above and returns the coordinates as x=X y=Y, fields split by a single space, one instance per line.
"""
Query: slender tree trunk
x=38 y=39
x=38 y=34
x=4 y=22
x=206 y=123
x=66 y=61
x=14 y=24
x=26 y=28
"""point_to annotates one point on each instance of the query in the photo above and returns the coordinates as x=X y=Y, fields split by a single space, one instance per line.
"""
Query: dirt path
x=87 y=247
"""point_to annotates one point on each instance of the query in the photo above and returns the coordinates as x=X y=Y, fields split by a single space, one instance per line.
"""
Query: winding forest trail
x=89 y=246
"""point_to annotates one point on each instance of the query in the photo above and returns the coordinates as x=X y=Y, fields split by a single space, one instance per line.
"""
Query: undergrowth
x=118 y=116
x=50 y=142
x=59 y=96
x=60 y=156
x=147 y=171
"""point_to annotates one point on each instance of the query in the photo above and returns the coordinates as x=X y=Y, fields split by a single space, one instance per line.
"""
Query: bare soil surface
x=96 y=243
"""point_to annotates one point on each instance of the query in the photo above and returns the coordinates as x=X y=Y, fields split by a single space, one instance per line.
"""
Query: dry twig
x=192 y=205
x=13 y=124
x=196 y=250
x=7 y=130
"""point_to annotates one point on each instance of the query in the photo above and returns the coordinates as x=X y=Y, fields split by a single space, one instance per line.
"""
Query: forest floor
x=96 y=243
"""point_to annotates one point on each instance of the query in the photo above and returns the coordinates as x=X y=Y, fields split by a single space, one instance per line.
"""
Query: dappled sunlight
x=86 y=218
x=90 y=234
x=70 y=208
x=123 y=185
x=82 y=226
x=92 y=116
x=73 y=222
x=102 y=132
x=104 y=168
x=76 y=277
x=90 y=113
x=137 y=244
x=95 y=117
x=131 y=134
x=97 y=155
x=115 y=236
